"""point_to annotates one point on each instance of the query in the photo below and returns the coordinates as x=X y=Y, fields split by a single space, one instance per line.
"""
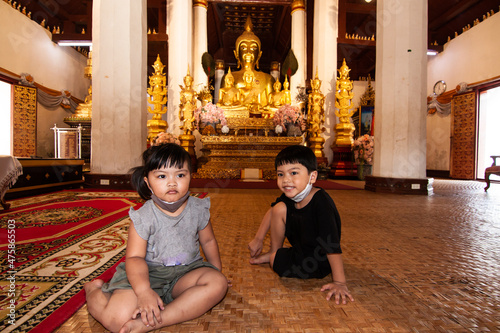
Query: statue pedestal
x=343 y=162
x=226 y=155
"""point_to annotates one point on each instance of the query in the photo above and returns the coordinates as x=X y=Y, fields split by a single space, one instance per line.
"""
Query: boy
x=307 y=216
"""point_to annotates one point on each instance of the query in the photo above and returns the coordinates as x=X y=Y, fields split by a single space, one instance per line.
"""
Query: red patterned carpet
x=50 y=246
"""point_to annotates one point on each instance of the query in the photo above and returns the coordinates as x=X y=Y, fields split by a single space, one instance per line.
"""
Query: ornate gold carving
x=158 y=97
x=24 y=120
x=343 y=103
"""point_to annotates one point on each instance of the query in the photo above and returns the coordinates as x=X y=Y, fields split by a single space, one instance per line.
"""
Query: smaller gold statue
x=287 y=96
x=188 y=104
x=229 y=95
x=276 y=98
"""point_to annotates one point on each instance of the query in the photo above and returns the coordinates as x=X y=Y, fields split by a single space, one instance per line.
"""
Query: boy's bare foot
x=262 y=259
x=93 y=285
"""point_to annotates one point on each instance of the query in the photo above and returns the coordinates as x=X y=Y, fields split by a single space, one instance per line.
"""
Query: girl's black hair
x=155 y=157
x=297 y=154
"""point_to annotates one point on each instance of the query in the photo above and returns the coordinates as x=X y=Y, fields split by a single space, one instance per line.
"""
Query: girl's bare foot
x=93 y=285
x=135 y=326
x=262 y=259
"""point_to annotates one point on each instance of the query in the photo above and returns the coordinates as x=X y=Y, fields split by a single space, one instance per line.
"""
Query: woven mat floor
x=413 y=264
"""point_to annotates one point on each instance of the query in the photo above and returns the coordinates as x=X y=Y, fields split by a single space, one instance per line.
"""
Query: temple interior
x=399 y=102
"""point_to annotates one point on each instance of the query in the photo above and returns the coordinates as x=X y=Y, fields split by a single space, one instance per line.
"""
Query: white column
x=200 y=42
x=299 y=46
x=179 y=25
x=325 y=61
x=119 y=83
x=400 y=86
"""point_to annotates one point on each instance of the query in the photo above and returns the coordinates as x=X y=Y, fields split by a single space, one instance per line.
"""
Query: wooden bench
x=494 y=169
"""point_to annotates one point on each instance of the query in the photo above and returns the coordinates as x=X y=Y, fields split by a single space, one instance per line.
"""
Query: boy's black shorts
x=289 y=263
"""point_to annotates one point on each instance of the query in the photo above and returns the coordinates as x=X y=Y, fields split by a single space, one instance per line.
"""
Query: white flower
x=278 y=129
x=225 y=129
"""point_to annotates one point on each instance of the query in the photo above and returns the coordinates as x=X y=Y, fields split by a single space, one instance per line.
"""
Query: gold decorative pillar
x=343 y=103
x=158 y=97
x=316 y=119
x=342 y=164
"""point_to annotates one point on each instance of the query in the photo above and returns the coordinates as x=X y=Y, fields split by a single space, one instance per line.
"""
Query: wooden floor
x=413 y=264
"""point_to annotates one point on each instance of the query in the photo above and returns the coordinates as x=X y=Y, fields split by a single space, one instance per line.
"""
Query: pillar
x=400 y=104
x=299 y=46
x=325 y=61
x=119 y=78
x=200 y=42
x=179 y=25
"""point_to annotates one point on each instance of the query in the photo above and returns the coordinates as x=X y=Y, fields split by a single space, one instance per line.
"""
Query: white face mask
x=305 y=192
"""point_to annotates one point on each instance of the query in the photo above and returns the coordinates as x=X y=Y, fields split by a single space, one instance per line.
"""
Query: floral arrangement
x=165 y=137
x=288 y=114
x=363 y=150
x=210 y=113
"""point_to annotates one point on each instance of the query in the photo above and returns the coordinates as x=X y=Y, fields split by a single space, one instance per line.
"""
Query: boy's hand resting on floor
x=255 y=247
x=339 y=290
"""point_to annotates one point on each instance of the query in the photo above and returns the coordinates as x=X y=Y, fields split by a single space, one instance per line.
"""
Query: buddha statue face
x=248 y=78
x=229 y=80
x=248 y=53
x=277 y=86
x=247 y=48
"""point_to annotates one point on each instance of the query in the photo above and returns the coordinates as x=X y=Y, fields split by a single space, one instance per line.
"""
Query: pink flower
x=363 y=150
x=210 y=113
x=165 y=137
x=288 y=114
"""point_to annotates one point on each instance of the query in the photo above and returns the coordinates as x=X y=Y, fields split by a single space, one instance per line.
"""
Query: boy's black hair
x=297 y=154
x=155 y=157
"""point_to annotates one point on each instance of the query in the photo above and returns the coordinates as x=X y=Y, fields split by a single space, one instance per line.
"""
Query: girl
x=164 y=280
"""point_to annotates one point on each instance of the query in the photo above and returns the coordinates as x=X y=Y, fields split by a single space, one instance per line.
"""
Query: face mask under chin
x=169 y=206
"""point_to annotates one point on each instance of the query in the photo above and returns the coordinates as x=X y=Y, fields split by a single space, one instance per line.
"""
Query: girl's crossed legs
x=194 y=294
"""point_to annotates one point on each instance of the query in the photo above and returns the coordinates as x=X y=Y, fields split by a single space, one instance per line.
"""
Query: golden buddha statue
x=247 y=53
x=229 y=95
x=188 y=104
x=84 y=110
x=251 y=96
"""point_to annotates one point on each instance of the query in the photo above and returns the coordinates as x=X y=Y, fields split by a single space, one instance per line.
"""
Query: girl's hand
x=149 y=305
x=339 y=290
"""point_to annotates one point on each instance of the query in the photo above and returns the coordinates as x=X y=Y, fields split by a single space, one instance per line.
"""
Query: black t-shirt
x=313 y=230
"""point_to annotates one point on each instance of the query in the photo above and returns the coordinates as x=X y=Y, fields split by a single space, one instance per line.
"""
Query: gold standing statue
x=188 y=104
x=157 y=92
x=344 y=129
x=316 y=118
x=188 y=97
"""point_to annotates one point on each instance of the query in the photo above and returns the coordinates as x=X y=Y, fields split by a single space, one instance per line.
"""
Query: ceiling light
x=368 y=1
x=432 y=52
